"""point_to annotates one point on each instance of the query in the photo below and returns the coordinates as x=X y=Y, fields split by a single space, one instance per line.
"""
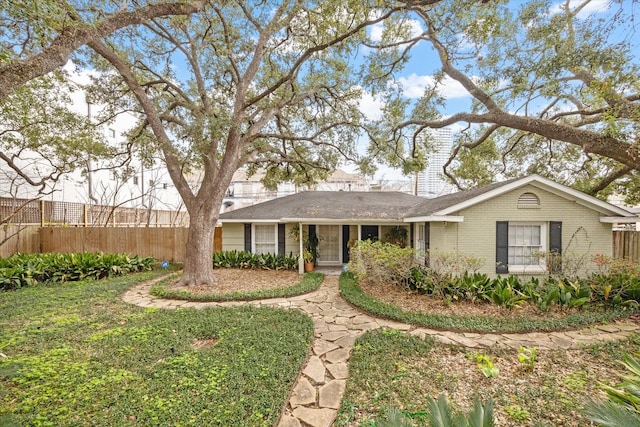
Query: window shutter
x=502 y=247
x=345 y=244
x=247 y=237
x=281 y=239
x=555 y=246
x=427 y=236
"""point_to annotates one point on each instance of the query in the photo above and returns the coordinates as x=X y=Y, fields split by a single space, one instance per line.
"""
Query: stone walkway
x=318 y=390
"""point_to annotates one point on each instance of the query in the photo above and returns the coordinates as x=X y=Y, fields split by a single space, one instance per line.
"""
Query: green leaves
x=23 y=270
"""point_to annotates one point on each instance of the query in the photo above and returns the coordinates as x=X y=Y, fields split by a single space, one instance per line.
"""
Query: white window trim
x=253 y=236
x=532 y=269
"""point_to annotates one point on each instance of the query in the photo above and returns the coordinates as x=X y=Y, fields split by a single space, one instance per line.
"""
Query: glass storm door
x=329 y=244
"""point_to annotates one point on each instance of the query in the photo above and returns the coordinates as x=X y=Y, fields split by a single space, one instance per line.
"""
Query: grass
x=391 y=370
x=310 y=282
x=77 y=355
x=352 y=292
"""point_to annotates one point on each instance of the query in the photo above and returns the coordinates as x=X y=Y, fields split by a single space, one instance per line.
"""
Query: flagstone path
x=316 y=395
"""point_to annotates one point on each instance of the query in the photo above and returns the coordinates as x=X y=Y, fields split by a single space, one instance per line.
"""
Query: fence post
x=41 y=213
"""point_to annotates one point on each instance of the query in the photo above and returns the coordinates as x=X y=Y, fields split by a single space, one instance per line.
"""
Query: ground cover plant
x=305 y=283
x=77 y=355
x=353 y=293
x=391 y=372
x=451 y=294
x=22 y=270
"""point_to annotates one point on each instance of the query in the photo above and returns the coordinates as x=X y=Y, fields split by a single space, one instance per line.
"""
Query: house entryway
x=329 y=245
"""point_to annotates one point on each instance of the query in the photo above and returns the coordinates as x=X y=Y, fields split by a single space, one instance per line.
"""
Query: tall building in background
x=430 y=182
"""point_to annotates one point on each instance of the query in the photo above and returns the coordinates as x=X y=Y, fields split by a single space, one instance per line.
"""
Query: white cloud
x=371 y=106
x=375 y=32
x=415 y=85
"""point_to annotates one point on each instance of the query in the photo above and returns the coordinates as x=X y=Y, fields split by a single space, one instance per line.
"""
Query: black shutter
x=345 y=244
x=411 y=245
x=247 y=237
x=427 y=237
x=555 y=246
x=281 y=240
x=502 y=247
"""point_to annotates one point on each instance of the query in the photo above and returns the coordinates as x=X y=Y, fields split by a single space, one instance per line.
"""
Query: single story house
x=508 y=225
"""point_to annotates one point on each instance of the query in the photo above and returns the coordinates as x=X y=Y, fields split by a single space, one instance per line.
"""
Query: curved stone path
x=316 y=395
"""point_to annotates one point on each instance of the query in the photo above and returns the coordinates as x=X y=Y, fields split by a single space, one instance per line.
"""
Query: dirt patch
x=199 y=344
x=414 y=301
x=240 y=280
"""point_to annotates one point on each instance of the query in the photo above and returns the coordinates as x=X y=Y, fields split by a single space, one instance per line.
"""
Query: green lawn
x=392 y=370
x=77 y=355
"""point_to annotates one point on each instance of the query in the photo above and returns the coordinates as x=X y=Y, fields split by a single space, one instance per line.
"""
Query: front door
x=370 y=232
x=328 y=244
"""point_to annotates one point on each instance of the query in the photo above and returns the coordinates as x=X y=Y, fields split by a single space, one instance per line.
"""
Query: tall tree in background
x=264 y=84
x=555 y=89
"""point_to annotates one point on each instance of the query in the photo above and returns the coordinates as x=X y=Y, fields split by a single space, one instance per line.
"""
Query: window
x=526 y=246
x=265 y=238
x=165 y=186
x=112 y=133
x=135 y=180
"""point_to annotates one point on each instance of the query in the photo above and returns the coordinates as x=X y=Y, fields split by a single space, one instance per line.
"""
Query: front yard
x=390 y=370
x=75 y=354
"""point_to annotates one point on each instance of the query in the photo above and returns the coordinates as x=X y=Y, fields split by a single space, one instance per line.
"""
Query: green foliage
x=595 y=314
x=22 y=270
x=442 y=415
x=486 y=366
x=78 y=353
x=380 y=262
x=309 y=283
x=623 y=406
x=527 y=357
x=248 y=260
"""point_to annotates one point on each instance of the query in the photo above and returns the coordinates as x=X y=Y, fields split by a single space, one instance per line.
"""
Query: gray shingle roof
x=430 y=206
x=363 y=205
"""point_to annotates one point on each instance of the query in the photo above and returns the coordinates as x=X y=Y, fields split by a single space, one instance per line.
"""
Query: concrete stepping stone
x=289 y=421
x=322 y=417
x=338 y=356
x=338 y=371
x=331 y=394
x=321 y=347
x=304 y=393
x=315 y=370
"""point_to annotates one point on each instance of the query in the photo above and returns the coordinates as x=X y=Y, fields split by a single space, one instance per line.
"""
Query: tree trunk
x=198 y=263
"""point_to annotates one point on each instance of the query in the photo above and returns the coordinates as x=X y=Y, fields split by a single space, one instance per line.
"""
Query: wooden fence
x=626 y=244
x=164 y=244
x=15 y=238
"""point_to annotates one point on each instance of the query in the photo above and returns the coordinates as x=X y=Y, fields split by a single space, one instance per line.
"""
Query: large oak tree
x=260 y=84
x=555 y=89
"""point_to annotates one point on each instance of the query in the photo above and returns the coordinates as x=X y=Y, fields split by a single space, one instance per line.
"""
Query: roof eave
x=435 y=218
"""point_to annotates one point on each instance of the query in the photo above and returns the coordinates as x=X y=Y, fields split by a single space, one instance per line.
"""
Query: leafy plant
x=442 y=415
x=381 y=262
x=623 y=407
x=248 y=260
x=527 y=357
x=486 y=366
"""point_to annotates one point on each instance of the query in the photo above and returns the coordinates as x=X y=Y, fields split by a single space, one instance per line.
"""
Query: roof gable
x=446 y=205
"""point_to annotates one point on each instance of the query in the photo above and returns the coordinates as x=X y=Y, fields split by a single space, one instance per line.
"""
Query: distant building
x=430 y=181
x=249 y=190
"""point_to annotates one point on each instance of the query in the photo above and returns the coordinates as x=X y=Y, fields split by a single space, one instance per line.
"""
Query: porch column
x=300 y=249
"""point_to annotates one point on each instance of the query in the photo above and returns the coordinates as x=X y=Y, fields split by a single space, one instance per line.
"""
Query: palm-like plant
x=623 y=407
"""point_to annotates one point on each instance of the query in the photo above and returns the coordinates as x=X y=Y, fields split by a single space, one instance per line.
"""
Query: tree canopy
x=264 y=84
x=555 y=89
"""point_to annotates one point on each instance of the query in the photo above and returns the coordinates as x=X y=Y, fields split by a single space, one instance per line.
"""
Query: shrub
x=380 y=262
x=248 y=260
x=22 y=270
x=623 y=406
